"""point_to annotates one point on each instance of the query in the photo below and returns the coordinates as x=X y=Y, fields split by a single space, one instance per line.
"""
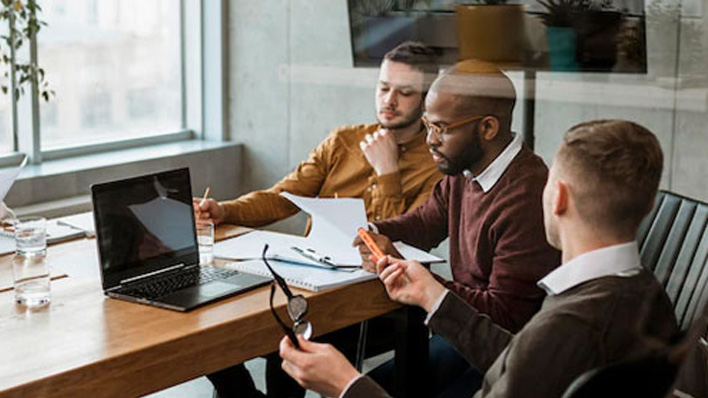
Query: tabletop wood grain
x=87 y=345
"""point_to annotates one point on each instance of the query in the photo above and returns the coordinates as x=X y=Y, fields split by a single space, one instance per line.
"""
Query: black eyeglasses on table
x=297 y=307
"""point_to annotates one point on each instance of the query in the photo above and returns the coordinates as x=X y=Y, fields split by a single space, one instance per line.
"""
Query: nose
x=391 y=98
x=432 y=139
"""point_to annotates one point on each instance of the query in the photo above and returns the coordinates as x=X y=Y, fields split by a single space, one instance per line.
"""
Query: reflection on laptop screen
x=145 y=222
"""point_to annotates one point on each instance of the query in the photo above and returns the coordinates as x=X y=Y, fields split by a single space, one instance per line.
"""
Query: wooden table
x=87 y=345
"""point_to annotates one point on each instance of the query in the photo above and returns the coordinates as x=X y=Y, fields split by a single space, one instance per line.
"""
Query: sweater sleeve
x=544 y=359
x=520 y=257
x=425 y=226
x=365 y=387
x=260 y=208
x=473 y=334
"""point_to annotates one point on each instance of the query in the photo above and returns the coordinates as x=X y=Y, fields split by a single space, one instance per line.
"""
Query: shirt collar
x=617 y=260
x=489 y=177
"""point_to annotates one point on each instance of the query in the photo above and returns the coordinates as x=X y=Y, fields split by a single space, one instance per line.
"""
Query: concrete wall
x=292 y=82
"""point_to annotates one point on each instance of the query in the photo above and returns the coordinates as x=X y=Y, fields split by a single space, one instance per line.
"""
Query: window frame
x=202 y=29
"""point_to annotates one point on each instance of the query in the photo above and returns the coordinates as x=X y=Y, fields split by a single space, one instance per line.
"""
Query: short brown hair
x=616 y=167
x=418 y=56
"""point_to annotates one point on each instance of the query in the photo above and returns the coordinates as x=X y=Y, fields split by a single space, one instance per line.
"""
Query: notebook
x=312 y=278
x=55 y=233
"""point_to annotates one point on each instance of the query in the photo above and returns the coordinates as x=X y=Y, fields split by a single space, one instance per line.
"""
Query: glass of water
x=31 y=277
x=205 y=239
x=31 y=236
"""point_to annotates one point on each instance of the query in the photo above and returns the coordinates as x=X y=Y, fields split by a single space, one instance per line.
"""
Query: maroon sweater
x=498 y=248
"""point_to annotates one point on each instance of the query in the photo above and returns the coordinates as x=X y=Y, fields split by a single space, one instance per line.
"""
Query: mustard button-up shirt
x=338 y=167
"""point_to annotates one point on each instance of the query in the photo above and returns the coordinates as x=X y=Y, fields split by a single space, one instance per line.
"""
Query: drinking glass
x=205 y=240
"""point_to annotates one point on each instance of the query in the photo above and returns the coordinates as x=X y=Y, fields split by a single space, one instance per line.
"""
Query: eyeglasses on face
x=296 y=307
x=441 y=131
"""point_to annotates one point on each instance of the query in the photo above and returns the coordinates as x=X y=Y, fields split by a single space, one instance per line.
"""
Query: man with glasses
x=387 y=164
x=489 y=205
x=602 y=306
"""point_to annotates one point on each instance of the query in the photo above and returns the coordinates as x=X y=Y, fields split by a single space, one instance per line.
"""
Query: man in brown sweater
x=489 y=205
x=602 y=305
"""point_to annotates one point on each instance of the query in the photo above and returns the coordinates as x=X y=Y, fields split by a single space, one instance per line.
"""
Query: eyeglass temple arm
x=288 y=331
x=279 y=279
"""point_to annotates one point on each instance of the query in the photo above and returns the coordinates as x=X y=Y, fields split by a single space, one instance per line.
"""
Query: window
x=116 y=67
x=7 y=141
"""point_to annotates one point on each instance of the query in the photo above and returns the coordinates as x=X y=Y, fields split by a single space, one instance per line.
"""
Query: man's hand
x=408 y=282
x=317 y=367
x=208 y=210
x=381 y=151
x=383 y=242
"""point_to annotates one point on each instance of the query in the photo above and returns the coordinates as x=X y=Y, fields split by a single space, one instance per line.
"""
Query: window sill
x=62 y=186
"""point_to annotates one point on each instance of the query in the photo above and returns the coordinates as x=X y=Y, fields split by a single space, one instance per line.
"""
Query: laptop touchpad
x=215 y=288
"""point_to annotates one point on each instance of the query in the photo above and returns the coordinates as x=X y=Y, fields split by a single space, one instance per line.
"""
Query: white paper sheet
x=8 y=177
x=250 y=246
x=334 y=225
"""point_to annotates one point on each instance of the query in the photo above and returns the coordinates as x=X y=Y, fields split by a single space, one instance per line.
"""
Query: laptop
x=147 y=245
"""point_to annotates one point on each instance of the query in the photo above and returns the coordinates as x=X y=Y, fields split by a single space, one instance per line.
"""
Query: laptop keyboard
x=159 y=287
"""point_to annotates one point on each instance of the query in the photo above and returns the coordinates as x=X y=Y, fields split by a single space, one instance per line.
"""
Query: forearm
x=474 y=334
x=257 y=209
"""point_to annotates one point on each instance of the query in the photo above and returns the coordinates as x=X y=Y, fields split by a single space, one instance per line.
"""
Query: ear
x=560 y=201
x=489 y=127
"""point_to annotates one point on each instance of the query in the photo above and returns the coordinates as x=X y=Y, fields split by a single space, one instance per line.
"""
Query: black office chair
x=646 y=377
x=673 y=243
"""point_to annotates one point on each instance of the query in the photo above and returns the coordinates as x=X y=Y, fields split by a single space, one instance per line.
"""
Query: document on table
x=334 y=225
x=309 y=278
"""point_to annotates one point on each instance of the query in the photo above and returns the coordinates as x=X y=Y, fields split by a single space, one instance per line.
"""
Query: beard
x=408 y=120
x=467 y=157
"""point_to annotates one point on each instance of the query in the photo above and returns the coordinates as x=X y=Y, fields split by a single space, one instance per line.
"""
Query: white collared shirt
x=489 y=177
x=617 y=260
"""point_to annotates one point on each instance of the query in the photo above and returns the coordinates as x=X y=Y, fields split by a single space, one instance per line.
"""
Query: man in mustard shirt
x=386 y=163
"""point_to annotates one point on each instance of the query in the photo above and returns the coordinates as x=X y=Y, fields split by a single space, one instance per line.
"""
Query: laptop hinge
x=151 y=274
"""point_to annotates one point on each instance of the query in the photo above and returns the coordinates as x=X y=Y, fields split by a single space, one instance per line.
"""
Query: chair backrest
x=673 y=242
x=647 y=377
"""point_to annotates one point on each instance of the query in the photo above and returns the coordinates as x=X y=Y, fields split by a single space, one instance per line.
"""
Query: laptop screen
x=144 y=224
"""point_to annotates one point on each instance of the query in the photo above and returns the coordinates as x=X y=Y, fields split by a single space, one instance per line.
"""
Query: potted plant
x=491 y=30
x=582 y=34
x=23 y=25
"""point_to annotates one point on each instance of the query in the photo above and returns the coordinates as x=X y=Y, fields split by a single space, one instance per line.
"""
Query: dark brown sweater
x=593 y=324
x=498 y=248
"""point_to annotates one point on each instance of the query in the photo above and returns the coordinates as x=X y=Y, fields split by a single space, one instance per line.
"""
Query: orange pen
x=376 y=251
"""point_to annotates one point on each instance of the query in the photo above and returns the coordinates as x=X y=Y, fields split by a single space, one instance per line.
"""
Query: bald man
x=488 y=204
x=602 y=306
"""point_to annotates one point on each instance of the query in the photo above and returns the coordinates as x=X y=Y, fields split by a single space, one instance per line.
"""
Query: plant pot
x=561 y=48
x=493 y=33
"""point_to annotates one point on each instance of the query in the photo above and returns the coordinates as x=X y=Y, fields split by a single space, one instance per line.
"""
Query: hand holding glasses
x=297 y=307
